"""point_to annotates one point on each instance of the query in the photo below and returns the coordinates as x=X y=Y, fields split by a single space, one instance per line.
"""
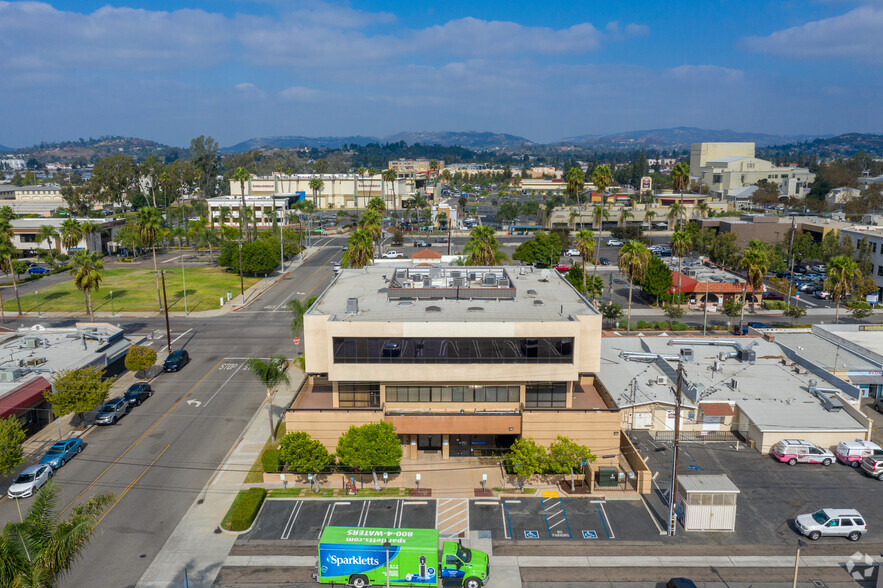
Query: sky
x=170 y=70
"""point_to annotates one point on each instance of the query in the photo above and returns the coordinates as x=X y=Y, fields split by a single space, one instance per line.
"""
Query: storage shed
x=707 y=503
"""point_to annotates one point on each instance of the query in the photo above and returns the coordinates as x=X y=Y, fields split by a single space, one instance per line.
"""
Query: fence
x=730 y=436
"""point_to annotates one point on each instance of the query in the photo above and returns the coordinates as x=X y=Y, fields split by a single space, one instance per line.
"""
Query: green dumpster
x=608 y=477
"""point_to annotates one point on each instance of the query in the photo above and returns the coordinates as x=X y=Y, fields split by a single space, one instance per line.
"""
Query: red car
x=563 y=268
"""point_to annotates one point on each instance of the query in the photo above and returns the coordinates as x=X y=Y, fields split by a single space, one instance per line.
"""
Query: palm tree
x=149 y=222
x=624 y=216
x=241 y=175
x=755 y=260
x=633 y=261
x=419 y=202
x=316 y=185
x=483 y=247
x=573 y=215
x=602 y=178
x=71 y=233
x=86 y=270
x=675 y=212
x=8 y=252
x=299 y=308
x=649 y=215
x=680 y=246
x=680 y=180
x=47 y=233
x=702 y=208
x=206 y=237
x=270 y=373
x=360 y=249
x=843 y=273
x=223 y=213
x=390 y=176
x=599 y=215
x=41 y=548
x=585 y=244
x=372 y=221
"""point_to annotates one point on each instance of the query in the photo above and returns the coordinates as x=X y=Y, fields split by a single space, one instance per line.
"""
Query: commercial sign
x=646 y=184
x=872 y=298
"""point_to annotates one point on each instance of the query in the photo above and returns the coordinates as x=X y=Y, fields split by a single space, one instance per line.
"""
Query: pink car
x=791 y=451
x=852 y=452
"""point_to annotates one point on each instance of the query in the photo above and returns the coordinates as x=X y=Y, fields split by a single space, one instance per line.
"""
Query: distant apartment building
x=727 y=167
x=41 y=199
x=770 y=229
x=842 y=195
x=419 y=166
x=338 y=191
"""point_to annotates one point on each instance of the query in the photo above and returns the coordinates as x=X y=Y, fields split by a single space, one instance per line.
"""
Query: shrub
x=661 y=325
x=271 y=460
x=775 y=305
x=140 y=358
x=676 y=326
x=245 y=509
x=645 y=325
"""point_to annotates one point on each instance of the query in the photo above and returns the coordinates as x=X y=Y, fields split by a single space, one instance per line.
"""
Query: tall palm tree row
x=40 y=549
x=634 y=257
x=241 y=175
x=585 y=244
x=843 y=275
x=316 y=185
x=150 y=224
x=680 y=180
x=599 y=215
x=86 y=268
x=680 y=246
x=389 y=177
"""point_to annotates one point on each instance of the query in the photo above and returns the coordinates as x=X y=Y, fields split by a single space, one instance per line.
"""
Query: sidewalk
x=197 y=544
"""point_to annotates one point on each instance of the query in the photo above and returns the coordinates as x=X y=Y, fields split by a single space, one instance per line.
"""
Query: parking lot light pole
x=37 y=297
x=800 y=544
x=165 y=305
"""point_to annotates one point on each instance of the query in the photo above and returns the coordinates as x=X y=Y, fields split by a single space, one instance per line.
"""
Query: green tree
x=733 y=308
x=527 y=458
x=298 y=308
x=360 y=249
x=482 y=248
x=566 y=455
x=633 y=261
x=304 y=455
x=543 y=248
x=140 y=358
x=47 y=233
x=611 y=311
x=149 y=222
x=270 y=374
x=795 y=312
x=12 y=436
x=258 y=257
x=204 y=160
x=593 y=288
x=78 y=390
x=680 y=179
x=241 y=175
x=576 y=179
x=680 y=246
x=843 y=273
x=86 y=268
x=755 y=261
x=40 y=549
x=316 y=185
x=602 y=179
x=370 y=447
x=673 y=313
x=585 y=244
x=112 y=178
x=389 y=177
x=8 y=252
x=658 y=280
x=859 y=309
x=372 y=221
x=724 y=250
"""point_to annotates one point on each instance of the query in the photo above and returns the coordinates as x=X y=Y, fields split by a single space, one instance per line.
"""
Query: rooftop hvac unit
x=11 y=375
x=352 y=306
x=748 y=355
x=661 y=380
x=490 y=280
x=734 y=384
x=435 y=272
x=427 y=282
x=503 y=283
x=459 y=282
x=35 y=361
x=830 y=402
x=456 y=274
x=29 y=342
x=686 y=354
x=473 y=276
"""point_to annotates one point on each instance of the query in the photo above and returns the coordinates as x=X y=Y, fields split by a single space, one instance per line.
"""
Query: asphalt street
x=159 y=457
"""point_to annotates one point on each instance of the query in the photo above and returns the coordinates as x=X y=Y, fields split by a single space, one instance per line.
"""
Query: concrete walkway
x=197 y=544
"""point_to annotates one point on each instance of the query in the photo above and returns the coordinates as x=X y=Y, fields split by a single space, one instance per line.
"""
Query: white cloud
x=706 y=73
x=855 y=35
x=302 y=94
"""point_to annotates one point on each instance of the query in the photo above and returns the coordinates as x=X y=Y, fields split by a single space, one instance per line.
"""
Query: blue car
x=61 y=452
x=37 y=271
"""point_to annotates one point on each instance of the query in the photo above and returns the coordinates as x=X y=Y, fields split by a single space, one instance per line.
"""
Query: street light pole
x=184 y=278
x=672 y=493
x=111 y=303
x=165 y=305
x=37 y=296
x=241 y=281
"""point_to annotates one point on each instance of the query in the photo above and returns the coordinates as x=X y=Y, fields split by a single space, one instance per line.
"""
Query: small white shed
x=707 y=503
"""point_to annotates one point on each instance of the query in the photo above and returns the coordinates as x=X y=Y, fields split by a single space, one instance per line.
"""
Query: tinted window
x=859 y=522
x=453 y=350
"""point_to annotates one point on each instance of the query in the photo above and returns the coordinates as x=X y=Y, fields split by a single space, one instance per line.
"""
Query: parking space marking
x=589 y=534
x=531 y=534
x=397 y=517
x=225 y=383
x=329 y=515
x=603 y=513
x=452 y=516
x=289 y=525
x=507 y=524
x=363 y=515
x=164 y=347
x=553 y=511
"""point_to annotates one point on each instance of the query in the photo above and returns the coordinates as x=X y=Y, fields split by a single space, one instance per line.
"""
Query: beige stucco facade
x=338 y=191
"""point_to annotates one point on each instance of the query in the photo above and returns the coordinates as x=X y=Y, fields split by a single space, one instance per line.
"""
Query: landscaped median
x=134 y=290
x=244 y=510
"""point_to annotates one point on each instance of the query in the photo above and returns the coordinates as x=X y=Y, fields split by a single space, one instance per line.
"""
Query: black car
x=604 y=261
x=176 y=360
x=138 y=393
x=421 y=243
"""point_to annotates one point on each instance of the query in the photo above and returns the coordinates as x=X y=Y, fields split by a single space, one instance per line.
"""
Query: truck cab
x=461 y=562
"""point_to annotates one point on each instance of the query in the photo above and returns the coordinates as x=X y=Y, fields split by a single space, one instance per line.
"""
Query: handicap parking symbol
x=531 y=534
x=590 y=534
x=693 y=467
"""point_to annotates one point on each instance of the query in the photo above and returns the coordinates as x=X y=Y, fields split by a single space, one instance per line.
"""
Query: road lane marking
x=131 y=485
x=164 y=347
x=224 y=384
x=141 y=438
x=295 y=293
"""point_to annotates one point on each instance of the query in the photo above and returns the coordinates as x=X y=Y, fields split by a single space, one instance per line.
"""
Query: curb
x=250 y=527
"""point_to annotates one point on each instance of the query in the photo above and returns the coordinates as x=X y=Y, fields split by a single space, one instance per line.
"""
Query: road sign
x=531 y=534
x=297 y=340
x=872 y=298
x=693 y=467
x=589 y=534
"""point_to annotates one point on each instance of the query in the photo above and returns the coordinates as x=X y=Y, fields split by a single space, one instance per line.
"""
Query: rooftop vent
x=433 y=309
x=686 y=354
x=734 y=384
x=537 y=302
x=531 y=292
x=352 y=306
x=475 y=308
x=459 y=282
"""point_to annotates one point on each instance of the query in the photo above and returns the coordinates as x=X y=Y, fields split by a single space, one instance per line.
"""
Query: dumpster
x=608 y=477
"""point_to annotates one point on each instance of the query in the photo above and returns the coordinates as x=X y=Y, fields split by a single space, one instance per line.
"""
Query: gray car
x=832 y=522
x=112 y=411
x=878 y=403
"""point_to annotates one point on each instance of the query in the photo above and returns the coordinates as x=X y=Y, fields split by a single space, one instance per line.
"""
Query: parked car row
x=859 y=453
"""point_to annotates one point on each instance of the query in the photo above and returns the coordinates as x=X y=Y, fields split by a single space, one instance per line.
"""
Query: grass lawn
x=135 y=290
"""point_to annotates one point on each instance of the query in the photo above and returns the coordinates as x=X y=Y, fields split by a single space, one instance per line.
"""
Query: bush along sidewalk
x=244 y=509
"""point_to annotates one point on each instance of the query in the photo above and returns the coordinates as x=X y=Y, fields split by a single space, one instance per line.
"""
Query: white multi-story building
x=874 y=235
x=340 y=191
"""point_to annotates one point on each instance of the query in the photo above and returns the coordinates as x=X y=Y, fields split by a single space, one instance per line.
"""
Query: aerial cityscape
x=373 y=294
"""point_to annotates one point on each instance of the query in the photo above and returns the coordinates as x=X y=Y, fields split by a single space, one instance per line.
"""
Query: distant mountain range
x=482 y=141
x=679 y=137
x=89 y=151
x=840 y=146
x=4 y=148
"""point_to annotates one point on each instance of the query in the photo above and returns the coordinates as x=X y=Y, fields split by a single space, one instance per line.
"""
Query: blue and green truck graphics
x=364 y=556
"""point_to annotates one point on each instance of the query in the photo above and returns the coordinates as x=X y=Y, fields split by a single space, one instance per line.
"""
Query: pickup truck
x=392 y=254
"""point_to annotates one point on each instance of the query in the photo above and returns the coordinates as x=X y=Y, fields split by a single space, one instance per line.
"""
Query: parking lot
x=771 y=493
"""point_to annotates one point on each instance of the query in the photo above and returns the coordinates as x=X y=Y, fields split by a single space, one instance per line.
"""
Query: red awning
x=716 y=409
x=25 y=396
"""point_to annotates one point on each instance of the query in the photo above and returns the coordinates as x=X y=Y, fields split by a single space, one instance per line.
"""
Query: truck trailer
x=364 y=556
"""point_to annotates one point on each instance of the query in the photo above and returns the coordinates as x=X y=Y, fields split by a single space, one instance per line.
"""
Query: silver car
x=30 y=480
x=112 y=411
x=833 y=522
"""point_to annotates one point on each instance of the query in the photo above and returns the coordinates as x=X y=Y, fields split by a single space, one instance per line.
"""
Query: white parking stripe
x=607 y=519
x=286 y=532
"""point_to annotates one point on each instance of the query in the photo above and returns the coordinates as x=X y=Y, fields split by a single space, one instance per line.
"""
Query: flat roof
x=825 y=353
x=387 y=294
x=769 y=392
x=708 y=484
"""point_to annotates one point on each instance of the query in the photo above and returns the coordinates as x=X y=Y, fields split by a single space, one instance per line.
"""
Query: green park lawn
x=135 y=290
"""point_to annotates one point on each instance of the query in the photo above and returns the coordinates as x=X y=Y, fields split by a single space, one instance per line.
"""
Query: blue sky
x=170 y=71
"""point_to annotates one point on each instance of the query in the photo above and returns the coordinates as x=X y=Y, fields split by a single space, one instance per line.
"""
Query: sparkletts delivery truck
x=357 y=556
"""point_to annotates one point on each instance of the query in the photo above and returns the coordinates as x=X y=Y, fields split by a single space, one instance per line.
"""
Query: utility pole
x=672 y=494
x=705 y=310
x=791 y=257
x=241 y=281
x=165 y=305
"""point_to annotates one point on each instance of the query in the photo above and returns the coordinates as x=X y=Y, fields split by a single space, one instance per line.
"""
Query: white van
x=852 y=452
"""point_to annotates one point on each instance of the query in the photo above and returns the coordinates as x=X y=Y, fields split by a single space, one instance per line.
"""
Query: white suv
x=834 y=522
